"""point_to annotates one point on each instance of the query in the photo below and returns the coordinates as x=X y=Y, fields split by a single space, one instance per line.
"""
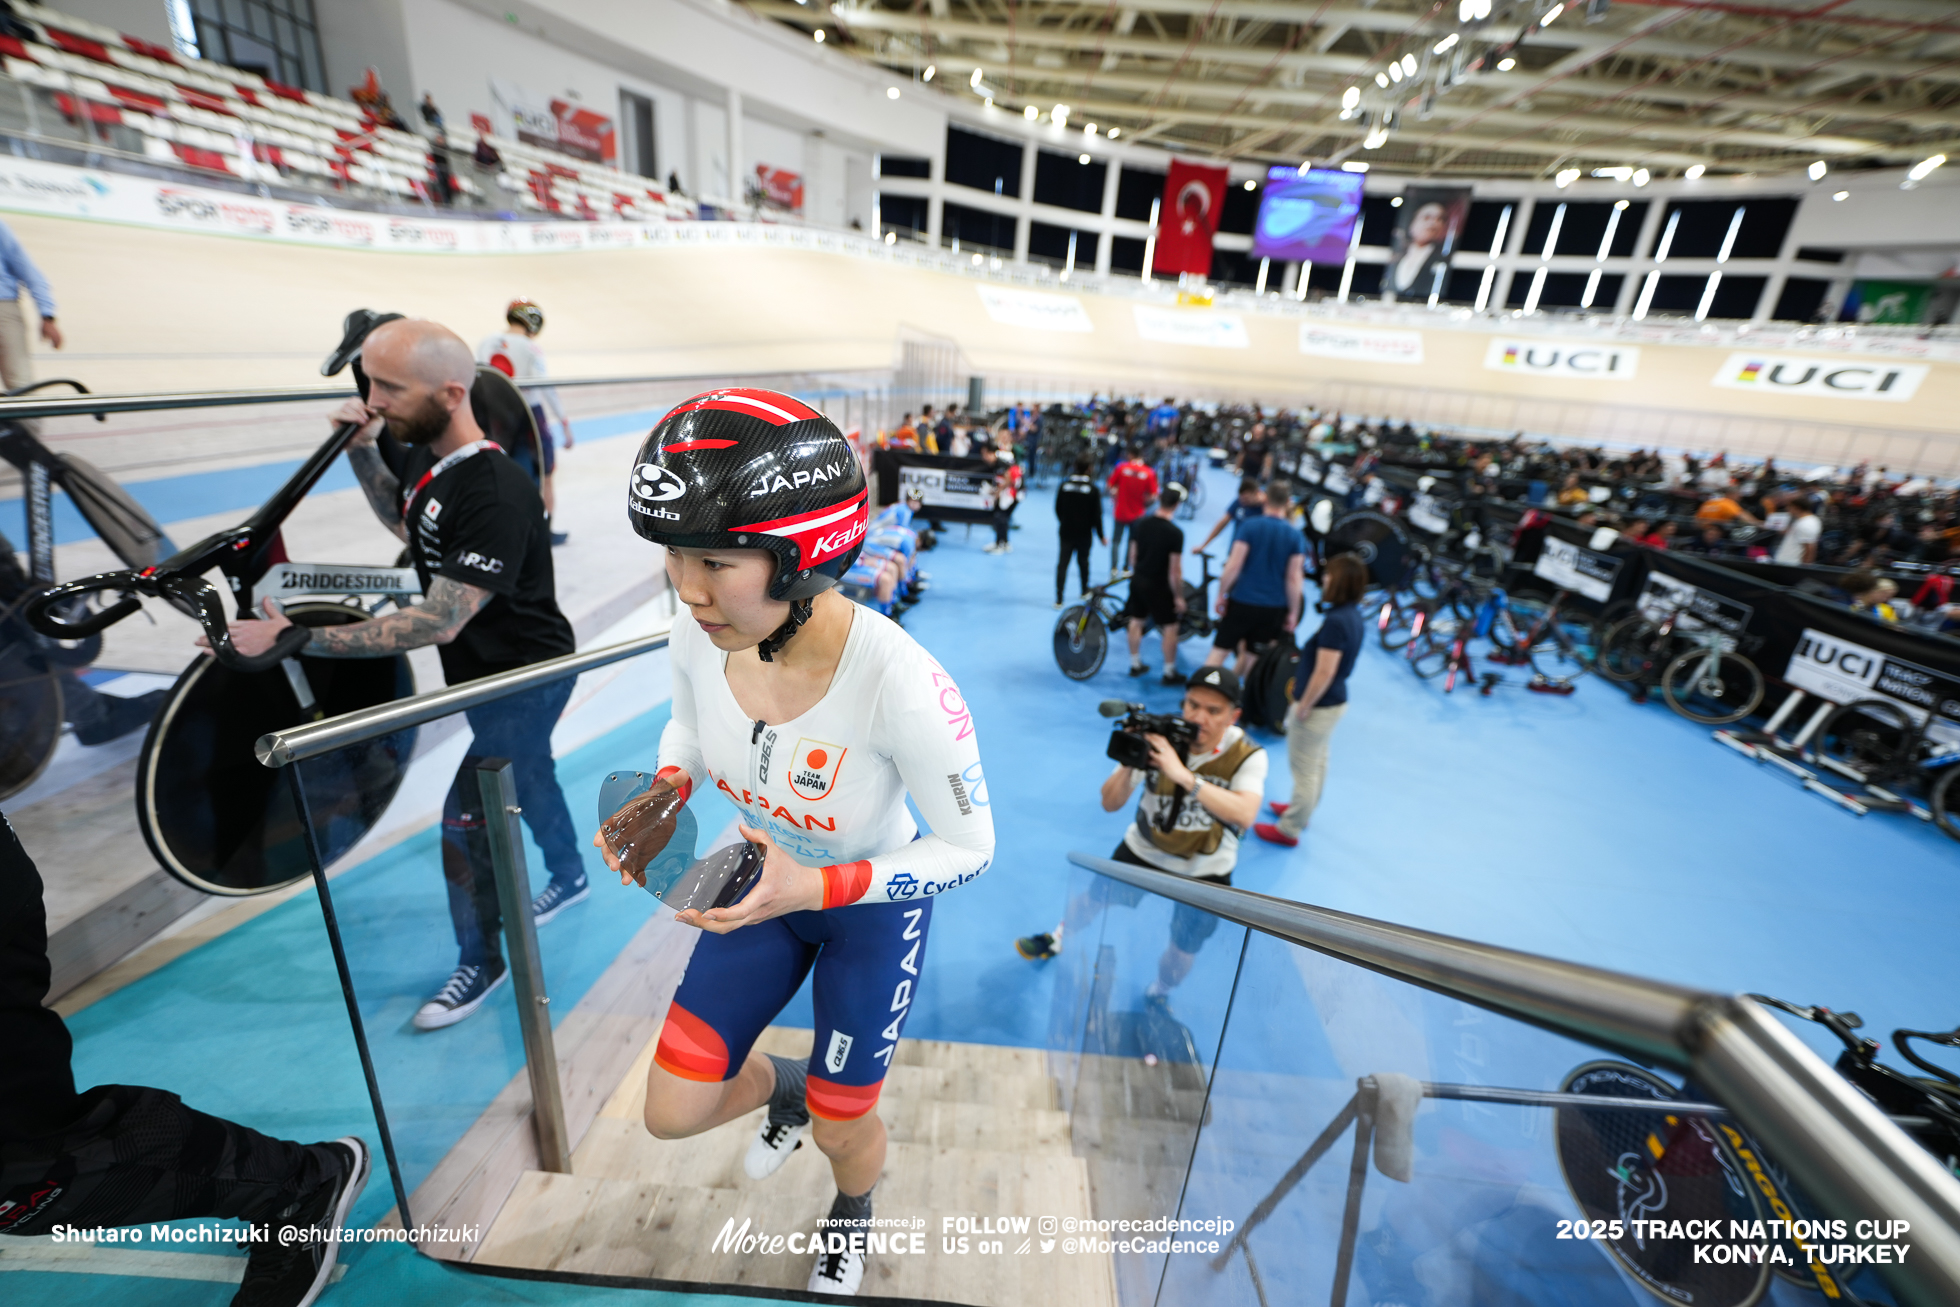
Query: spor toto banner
x=1037 y=310
x=30 y=186
x=1544 y=357
x=1360 y=344
x=1844 y=671
x=1789 y=374
x=1204 y=327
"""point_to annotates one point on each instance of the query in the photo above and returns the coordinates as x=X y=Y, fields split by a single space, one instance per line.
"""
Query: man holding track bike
x=477 y=534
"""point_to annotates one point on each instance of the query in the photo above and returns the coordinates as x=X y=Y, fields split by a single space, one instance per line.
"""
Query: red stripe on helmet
x=681 y=446
x=823 y=533
x=771 y=406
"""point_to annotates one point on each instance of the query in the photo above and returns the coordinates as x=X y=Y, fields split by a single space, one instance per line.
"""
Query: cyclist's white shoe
x=772 y=1146
x=838 y=1273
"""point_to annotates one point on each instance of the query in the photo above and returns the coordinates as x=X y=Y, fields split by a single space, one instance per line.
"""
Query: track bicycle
x=1669 y=1162
x=1879 y=745
x=212 y=816
x=1702 y=673
x=1082 y=633
x=39 y=691
x=1183 y=466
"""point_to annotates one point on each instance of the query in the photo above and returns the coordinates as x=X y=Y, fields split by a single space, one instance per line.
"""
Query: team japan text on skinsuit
x=829 y=787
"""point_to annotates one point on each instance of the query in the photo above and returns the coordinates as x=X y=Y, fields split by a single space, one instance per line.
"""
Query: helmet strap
x=799 y=613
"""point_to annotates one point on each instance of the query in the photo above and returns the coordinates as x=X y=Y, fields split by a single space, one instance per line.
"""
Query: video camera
x=1126 y=743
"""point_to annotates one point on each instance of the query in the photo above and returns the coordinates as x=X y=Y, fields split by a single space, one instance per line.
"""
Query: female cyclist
x=815 y=717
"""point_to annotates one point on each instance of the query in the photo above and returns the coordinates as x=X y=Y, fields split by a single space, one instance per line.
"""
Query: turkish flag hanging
x=1194 y=196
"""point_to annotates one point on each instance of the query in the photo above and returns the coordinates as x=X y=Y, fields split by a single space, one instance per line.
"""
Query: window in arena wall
x=1125 y=255
x=898 y=165
x=1377 y=220
x=985 y=163
x=903 y=213
x=1048 y=243
x=976 y=229
x=1064 y=181
x=1564 y=290
x=1136 y=188
x=1800 y=300
x=1705 y=225
x=277 y=39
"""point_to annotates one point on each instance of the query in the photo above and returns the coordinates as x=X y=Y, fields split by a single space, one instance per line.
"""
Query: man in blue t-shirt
x=1162 y=420
x=1260 y=592
x=1251 y=503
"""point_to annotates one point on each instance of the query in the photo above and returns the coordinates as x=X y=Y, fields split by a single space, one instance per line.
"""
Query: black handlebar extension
x=191 y=595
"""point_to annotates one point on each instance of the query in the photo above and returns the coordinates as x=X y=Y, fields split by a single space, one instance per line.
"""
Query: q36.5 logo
x=656 y=484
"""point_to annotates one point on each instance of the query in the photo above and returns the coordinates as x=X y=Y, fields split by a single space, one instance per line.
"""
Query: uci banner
x=1807 y=375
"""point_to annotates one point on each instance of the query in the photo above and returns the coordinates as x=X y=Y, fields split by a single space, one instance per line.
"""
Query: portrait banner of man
x=1427 y=226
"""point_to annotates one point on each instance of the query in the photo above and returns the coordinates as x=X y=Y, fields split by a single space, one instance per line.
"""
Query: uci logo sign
x=656 y=484
x=1549 y=358
x=1833 y=378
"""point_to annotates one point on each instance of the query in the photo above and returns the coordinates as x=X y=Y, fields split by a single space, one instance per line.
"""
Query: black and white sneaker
x=468 y=986
x=840 y=1267
x=772 y=1145
x=1038 y=948
x=557 y=896
x=292 y=1269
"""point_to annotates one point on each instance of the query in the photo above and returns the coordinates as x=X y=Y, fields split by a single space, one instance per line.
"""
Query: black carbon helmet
x=754 y=469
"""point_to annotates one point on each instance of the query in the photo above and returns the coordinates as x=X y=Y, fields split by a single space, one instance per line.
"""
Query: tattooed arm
x=382 y=488
x=436 y=620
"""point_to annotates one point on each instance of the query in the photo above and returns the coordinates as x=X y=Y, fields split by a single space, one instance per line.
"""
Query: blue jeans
x=517 y=728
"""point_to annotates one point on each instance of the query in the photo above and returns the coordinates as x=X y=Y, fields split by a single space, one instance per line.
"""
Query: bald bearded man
x=478 y=536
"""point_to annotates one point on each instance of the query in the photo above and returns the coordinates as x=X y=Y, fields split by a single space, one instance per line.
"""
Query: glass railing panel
x=1141 y=996
x=1469 y=1180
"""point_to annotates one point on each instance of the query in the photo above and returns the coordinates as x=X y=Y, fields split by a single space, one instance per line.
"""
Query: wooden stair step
x=642 y=1228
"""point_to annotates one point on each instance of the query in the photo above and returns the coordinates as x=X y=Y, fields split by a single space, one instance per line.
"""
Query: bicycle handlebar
x=191 y=595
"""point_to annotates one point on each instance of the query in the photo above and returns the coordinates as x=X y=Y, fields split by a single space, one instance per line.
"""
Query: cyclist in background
x=1078 y=509
x=515 y=354
x=1157 y=583
x=817 y=718
x=1162 y=420
x=1134 y=485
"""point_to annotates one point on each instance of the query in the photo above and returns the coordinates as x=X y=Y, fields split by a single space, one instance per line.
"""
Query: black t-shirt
x=481 y=521
x=1342 y=629
x=1157 y=541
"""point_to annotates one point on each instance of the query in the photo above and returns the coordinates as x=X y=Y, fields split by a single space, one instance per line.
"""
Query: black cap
x=1220 y=679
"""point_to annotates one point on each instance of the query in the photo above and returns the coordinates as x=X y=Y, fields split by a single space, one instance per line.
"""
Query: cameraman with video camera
x=1203 y=780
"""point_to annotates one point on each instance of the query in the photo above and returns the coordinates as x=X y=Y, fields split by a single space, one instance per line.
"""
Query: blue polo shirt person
x=1263 y=584
x=16 y=271
x=1321 y=696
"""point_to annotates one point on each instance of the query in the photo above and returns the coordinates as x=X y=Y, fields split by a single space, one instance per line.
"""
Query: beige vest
x=1180 y=841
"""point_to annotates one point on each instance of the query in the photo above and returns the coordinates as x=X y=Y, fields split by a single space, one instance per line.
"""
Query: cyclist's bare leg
x=678 y=1108
x=1243 y=663
x=1136 y=640
x=856 y=1150
x=1173 y=967
x=1170 y=647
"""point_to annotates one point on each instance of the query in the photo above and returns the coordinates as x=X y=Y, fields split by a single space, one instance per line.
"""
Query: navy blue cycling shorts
x=867 y=958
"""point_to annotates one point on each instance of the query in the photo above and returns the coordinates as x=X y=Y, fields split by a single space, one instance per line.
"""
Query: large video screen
x=1307 y=216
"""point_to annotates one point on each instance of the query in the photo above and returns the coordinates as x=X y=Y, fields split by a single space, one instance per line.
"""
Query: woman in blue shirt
x=1325 y=661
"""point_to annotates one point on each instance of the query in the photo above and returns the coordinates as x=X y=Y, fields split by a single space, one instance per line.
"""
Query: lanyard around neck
x=448 y=461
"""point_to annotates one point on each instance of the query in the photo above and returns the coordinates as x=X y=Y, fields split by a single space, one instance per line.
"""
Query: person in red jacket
x=1133 y=487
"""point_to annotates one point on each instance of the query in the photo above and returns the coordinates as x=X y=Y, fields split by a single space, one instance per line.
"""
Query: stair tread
x=641 y=1228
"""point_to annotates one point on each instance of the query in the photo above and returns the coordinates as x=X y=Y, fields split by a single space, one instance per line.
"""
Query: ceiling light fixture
x=1375 y=139
x=819 y=36
x=1506 y=64
x=891 y=238
x=990 y=102
x=1395 y=203
x=1115 y=132
x=1350 y=97
x=1924 y=167
x=1394 y=72
x=1445 y=45
x=974 y=81
x=1251 y=185
x=1082 y=158
x=1551 y=15
x=1088 y=129
x=1695 y=170
x=891 y=92
x=1565 y=177
x=1470 y=11
x=1409 y=65
x=1354 y=167
x=1031 y=113
x=1641 y=177
x=1619 y=174
x=1060 y=114
x=1817 y=170
x=930 y=70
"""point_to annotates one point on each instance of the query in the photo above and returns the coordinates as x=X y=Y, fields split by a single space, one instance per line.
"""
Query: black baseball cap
x=1220 y=679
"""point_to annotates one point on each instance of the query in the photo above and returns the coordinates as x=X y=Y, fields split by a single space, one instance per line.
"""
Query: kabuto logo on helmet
x=822 y=535
x=651 y=481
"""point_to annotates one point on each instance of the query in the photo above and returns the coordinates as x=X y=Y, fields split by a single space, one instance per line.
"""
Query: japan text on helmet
x=754 y=469
x=527 y=313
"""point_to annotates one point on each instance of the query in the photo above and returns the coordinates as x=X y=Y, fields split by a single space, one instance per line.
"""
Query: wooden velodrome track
x=149 y=309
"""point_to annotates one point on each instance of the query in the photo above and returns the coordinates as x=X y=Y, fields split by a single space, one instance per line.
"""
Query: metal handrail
x=298 y=743
x=1836 y=1142
x=13 y=410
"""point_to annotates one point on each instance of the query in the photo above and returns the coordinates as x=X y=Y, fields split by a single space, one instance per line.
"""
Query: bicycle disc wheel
x=1379 y=542
x=1867 y=740
x=1620 y=1162
x=1081 y=642
x=220 y=822
x=30 y=719
x=1710 y=691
